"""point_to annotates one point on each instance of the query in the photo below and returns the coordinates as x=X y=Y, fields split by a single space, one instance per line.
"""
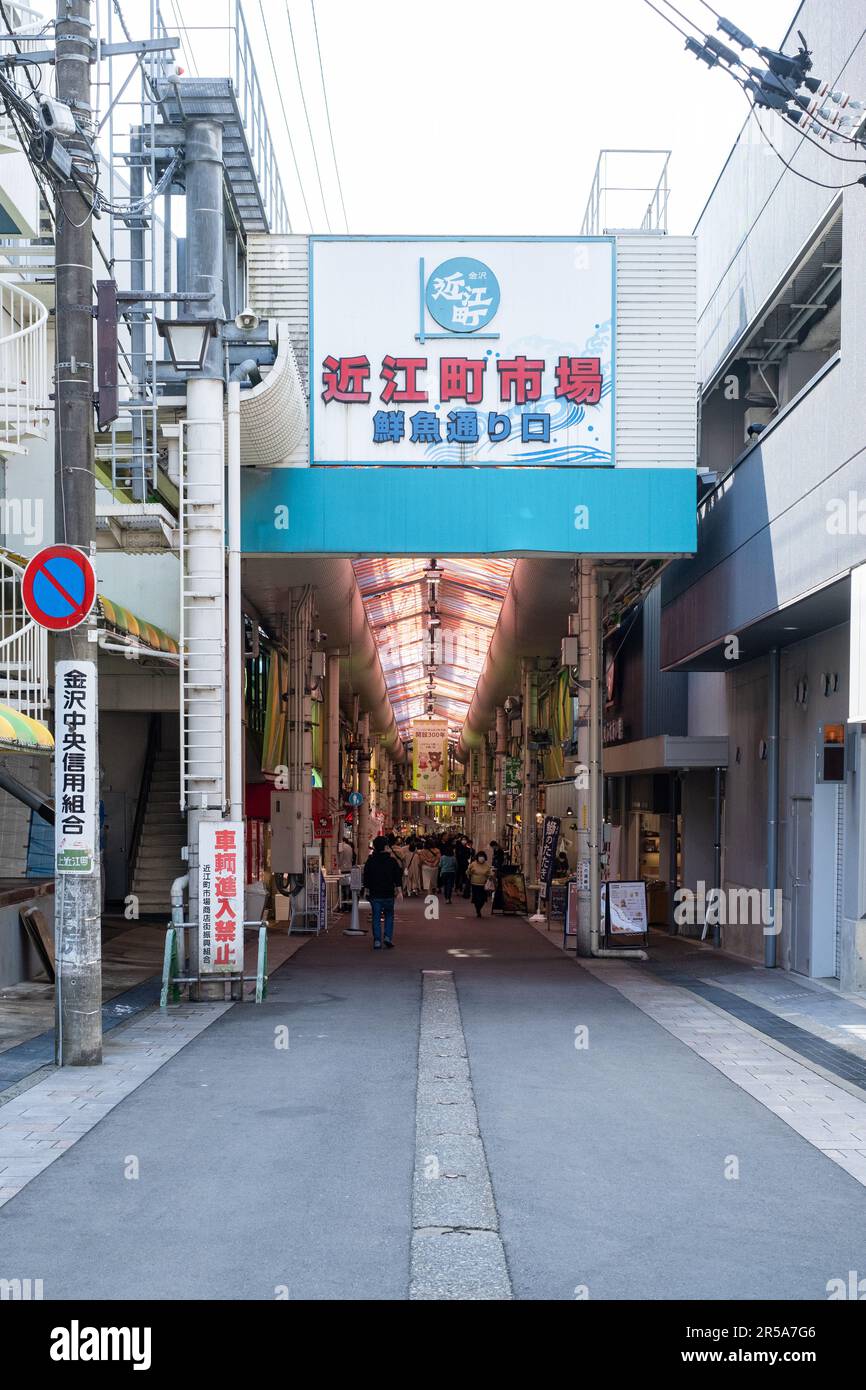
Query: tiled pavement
x=41 y=1124
x=827 y=1116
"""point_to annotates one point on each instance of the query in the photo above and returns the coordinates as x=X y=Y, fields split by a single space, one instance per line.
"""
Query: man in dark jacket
x=382 y=877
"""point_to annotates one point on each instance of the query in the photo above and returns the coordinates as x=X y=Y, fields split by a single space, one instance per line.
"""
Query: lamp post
x=188 y=340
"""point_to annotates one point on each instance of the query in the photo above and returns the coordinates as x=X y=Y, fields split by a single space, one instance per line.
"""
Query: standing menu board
x=624 y=908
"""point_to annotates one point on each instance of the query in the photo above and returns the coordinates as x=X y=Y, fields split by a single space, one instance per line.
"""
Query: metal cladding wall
x=655 y=366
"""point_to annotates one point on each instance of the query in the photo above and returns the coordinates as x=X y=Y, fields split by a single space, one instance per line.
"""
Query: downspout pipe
x=248 y=370
x=717 y=853
x=772 y=928
x=178 y=888
x=596 y=782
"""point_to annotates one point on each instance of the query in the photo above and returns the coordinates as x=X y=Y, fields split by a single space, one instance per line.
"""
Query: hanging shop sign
x=513 y=768
x=624 y=908
x=221 y=897
x=430 y=756
x=469 y=351
x=75 y=767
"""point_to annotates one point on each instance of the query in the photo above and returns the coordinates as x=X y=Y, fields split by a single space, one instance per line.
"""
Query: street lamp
x=187 y=340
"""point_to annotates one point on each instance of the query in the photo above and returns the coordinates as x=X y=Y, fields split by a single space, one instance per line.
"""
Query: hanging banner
x=469 y=351
x=430 y=755
x=75 y=767
x=549 y=842
x=221 y=897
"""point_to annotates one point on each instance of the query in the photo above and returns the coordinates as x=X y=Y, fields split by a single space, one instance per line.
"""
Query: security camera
x=247 y=320
x=512 y=704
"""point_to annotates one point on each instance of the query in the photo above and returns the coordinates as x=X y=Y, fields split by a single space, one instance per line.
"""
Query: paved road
x=264 y=1169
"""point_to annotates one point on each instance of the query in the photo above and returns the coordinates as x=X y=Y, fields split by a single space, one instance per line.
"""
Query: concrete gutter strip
x=457 y=1251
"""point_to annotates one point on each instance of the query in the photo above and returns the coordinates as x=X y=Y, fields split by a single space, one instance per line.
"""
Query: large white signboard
x=75 y=767
x=221 y=897
x=462 y=352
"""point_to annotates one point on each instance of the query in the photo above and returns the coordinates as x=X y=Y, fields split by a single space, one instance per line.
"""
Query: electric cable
x=812 y=116
x=285 y=117
x=307 y=115
x=328 y=114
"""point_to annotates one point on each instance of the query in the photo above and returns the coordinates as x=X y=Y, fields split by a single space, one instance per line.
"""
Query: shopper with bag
x=481 y=881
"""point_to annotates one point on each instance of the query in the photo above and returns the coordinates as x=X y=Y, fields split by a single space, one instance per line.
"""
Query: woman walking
x=412 y=875
x=430 y=857
x=447 y=872
x=479 y=872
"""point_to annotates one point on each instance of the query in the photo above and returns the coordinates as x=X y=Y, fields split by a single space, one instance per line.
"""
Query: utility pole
x=78 y=944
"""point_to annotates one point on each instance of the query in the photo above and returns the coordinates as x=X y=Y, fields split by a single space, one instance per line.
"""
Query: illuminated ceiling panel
x=469 y=598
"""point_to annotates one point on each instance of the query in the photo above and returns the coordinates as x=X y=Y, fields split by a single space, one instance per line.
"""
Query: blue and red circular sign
x=59 y=587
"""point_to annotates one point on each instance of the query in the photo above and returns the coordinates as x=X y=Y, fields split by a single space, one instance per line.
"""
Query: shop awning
x=666 y=753
x=19 y=733
x=117 y=619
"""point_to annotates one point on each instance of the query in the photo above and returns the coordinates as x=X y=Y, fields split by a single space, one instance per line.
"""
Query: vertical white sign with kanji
x=221 y=897
x=75 y=767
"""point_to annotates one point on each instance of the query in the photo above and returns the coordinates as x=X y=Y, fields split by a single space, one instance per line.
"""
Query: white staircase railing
x=23 y=368
x=23 y=648
x=27 y=24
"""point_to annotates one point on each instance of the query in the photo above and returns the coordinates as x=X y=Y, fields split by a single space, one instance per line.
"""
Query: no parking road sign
x=59 y=587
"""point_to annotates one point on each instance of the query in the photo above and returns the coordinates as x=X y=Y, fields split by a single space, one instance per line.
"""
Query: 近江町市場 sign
x=465 y=351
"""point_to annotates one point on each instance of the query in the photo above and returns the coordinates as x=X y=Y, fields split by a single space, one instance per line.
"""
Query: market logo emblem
x=77 y=1343
x=462 y=295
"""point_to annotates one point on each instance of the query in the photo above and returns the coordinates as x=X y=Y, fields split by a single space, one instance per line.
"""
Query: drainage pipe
x=770 y=936
x=595 y=779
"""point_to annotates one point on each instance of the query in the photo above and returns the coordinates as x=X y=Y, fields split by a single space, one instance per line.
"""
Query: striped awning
x=19 y=732
x=121 y=620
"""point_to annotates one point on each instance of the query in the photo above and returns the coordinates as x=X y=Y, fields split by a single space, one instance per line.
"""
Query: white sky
x=485 y=116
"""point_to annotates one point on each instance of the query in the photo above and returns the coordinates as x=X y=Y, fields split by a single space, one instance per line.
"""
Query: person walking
x=447 y=872
x=430 y=856
x=413 y=871
x=463 y=855
x=479 y=873
x=382 y=878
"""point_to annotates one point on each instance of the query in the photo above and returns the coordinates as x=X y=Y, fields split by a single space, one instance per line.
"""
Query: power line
x=307 y=115
x=183 y=32
x=285 y=117
x=852 y=183
x=328 y=114
x=716 y=55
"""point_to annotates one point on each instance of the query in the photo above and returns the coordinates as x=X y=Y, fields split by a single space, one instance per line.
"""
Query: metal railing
x=618 y=190
x=23 y=648
x=27 y=24
x=239 y=66
x=23 y=367
x=252 y=109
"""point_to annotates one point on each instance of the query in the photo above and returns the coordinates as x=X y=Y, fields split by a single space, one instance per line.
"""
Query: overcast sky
x=485 y=116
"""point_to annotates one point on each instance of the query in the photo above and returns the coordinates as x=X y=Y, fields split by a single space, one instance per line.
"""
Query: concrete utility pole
x=78 y=944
